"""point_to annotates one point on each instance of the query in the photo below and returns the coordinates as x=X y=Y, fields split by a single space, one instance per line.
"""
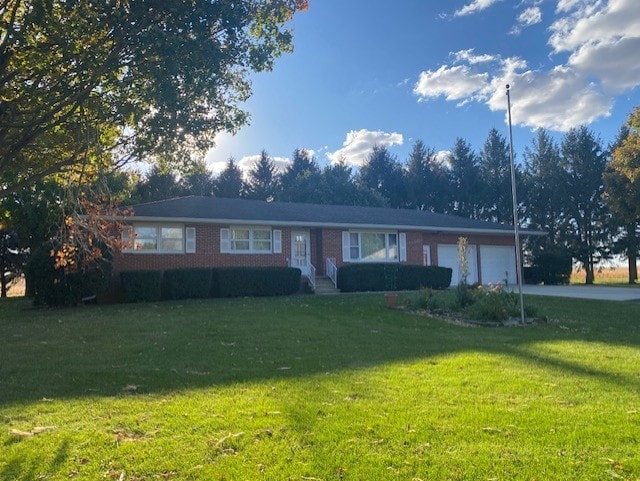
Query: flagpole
x=516 y=228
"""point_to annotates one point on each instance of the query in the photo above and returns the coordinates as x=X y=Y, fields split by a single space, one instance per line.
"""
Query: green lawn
x=317 y=388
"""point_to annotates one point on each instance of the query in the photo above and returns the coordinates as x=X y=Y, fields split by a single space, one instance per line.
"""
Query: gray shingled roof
x=241 y=211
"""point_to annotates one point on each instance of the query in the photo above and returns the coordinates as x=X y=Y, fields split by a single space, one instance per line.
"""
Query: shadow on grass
x=147 y=348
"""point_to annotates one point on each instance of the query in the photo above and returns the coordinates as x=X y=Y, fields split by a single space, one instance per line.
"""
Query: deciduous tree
x=88 y=81
x=622 y=190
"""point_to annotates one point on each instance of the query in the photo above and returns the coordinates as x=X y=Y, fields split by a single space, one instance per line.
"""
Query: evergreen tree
x=382 y=173
x=495 y=177
x=463 y=198
x=158 y=184
x=197 y=180
x=301 y=181
x=545 y=194
x=426 y=180
x=229 y=183
x=339 y=188
x=584 y=162
x=263 y=180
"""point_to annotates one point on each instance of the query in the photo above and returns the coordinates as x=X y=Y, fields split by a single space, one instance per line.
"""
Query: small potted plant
x=391 y=300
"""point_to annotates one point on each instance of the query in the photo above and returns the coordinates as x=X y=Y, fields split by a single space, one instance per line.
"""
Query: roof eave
x=335 y=225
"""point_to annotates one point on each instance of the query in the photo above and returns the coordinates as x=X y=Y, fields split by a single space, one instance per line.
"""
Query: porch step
x=325 y=287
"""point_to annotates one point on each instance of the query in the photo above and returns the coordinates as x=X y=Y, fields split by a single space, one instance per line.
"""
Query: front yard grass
x=317 y=388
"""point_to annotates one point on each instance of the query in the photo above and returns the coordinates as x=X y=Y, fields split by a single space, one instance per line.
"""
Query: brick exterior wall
x=207 y=254
x=324 y=243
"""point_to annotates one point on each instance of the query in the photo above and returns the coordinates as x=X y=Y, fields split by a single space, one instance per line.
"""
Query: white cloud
x=559 y=99
x=443 y=157
x=468 y=56
x=595 y=23
x=530 y=16
x=616 y=64
x=602 y=39
x=359 y=144
x=474 y=7
x=246 y=163
x=454 y=83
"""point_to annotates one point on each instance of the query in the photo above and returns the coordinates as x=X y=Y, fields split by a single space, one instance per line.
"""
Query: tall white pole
x=516 y=227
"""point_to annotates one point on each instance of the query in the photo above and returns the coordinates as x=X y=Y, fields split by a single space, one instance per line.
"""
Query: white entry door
x=300 y=251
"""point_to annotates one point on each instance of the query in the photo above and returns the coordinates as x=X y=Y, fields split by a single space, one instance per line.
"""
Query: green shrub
x=187 y=283
x=142 y=285
x=464 y=296
x=255 y=281
x=434 y=301
x=551 y=266
x=438 y=277
x=56 y=288
x=391 y=277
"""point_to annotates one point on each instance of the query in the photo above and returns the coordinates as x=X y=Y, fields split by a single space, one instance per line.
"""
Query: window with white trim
x=149 y=238
x=250 y=240
x=372 y=246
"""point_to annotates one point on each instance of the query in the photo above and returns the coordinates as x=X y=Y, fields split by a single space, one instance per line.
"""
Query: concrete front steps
x=325 y=287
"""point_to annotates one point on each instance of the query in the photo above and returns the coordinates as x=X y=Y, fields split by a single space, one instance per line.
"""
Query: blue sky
x=367 y=72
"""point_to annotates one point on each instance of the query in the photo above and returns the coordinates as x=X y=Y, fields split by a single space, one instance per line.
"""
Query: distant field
x=606 y=275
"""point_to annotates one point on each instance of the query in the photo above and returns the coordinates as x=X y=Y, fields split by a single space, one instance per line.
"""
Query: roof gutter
x=337 y=225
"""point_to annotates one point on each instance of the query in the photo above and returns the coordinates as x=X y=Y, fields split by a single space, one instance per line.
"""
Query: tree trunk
x=3 y=285
x=588 y=268
x=632 y=251
x=633 y=268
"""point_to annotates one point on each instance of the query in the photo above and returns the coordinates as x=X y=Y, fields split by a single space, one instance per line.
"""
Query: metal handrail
x=312 y=276
x=331 y=270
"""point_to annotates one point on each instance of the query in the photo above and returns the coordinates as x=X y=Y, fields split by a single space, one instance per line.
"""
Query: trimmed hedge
x=188 y=283
x=142 y=285
x=551 y=267
x=392 y=277
x=255 y=281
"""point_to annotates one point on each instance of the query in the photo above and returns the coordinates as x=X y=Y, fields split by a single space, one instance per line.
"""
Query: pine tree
x=463 y=198
x=263 y=181
x=229 y=183
x=382 y=173
x=584 y=162
x=301 y=181
x=495 y=176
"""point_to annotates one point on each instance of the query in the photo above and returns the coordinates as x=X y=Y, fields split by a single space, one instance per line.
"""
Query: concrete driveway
x=584 y=292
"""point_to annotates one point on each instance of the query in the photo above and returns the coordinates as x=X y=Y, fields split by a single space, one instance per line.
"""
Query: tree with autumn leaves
x=622 y=190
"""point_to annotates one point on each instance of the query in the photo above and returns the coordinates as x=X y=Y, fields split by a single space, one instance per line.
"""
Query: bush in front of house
x=140 y=286
x=187 y=283
x=54 y=287
x=255 y=281
x=391 y=277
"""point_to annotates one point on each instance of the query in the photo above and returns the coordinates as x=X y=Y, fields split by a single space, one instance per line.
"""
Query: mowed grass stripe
x=317 y=388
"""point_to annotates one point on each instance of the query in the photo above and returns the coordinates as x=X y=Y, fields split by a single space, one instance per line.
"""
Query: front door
x=300 y=251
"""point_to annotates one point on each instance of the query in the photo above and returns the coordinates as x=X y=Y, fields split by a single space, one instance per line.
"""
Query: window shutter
x=277 y=241
x=190 y=244
x=128 y=237
x=225 y=240
x=403 y=247
x=346 y=247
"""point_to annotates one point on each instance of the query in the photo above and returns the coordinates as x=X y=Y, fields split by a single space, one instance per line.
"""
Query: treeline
x=570 y=189
x=585 y=195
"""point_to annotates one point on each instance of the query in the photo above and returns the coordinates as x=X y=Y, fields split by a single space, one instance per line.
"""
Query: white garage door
x=498 y=264
x=448 y=257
